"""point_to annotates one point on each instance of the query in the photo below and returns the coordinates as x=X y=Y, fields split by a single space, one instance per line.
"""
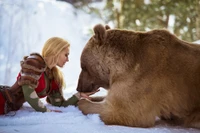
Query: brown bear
x=147 y=74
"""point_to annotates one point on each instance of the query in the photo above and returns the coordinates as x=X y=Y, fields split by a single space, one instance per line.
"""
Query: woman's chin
x=61 y=66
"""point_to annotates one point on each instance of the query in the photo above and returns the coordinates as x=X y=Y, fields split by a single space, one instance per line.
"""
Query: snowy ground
x=71 y=120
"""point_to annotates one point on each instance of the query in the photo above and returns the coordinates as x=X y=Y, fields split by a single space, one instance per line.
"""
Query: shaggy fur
x=31 y=69
x=147 y=75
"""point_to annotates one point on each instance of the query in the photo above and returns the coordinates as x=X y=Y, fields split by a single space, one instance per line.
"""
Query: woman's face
x=63 y=57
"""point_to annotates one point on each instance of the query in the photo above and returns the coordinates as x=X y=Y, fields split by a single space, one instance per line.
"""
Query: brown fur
x=147 y=75
x=31 y=69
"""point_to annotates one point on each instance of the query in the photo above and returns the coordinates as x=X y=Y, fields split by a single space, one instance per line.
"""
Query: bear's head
x=102 y=59
x=94 y=73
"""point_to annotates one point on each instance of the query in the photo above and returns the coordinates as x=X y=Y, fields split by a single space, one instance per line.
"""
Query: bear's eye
x=84 y=69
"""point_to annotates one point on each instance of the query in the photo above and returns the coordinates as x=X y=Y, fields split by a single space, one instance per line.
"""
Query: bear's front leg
x=89 y=107
x=97 y=98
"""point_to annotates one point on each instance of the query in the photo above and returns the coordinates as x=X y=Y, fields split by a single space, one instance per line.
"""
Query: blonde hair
x=51 y=50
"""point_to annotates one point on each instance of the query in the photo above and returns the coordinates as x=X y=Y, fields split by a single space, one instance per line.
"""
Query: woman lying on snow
x=39 y=77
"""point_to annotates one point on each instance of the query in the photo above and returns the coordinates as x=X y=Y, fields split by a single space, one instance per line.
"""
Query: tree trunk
x=198 y=19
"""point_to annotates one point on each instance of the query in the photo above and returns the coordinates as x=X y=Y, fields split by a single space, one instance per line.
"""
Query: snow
x=71 y=120
x=34 y=21
x=198 y=42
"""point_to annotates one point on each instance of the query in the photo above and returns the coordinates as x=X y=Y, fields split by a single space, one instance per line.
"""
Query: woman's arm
x=56 y=99
x=32 y=98
x=32 y=67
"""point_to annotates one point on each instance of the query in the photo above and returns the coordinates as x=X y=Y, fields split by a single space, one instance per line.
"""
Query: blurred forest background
x=26 y=24
x=181 y=17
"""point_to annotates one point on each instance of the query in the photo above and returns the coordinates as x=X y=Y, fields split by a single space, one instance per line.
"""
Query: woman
x=40 y=77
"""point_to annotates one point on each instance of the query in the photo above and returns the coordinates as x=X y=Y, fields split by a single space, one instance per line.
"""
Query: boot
x=13 y=97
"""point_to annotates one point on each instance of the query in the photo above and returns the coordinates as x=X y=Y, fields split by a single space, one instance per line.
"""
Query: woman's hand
x=58 y=111
x=86 y=95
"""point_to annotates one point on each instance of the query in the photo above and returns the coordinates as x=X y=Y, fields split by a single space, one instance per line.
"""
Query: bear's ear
x=100 y=33
x=107 y=27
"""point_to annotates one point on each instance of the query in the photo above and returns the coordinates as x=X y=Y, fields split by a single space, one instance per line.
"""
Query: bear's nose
x=79 y=88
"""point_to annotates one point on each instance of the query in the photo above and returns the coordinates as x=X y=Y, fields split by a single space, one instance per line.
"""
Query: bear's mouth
x=90 y=88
